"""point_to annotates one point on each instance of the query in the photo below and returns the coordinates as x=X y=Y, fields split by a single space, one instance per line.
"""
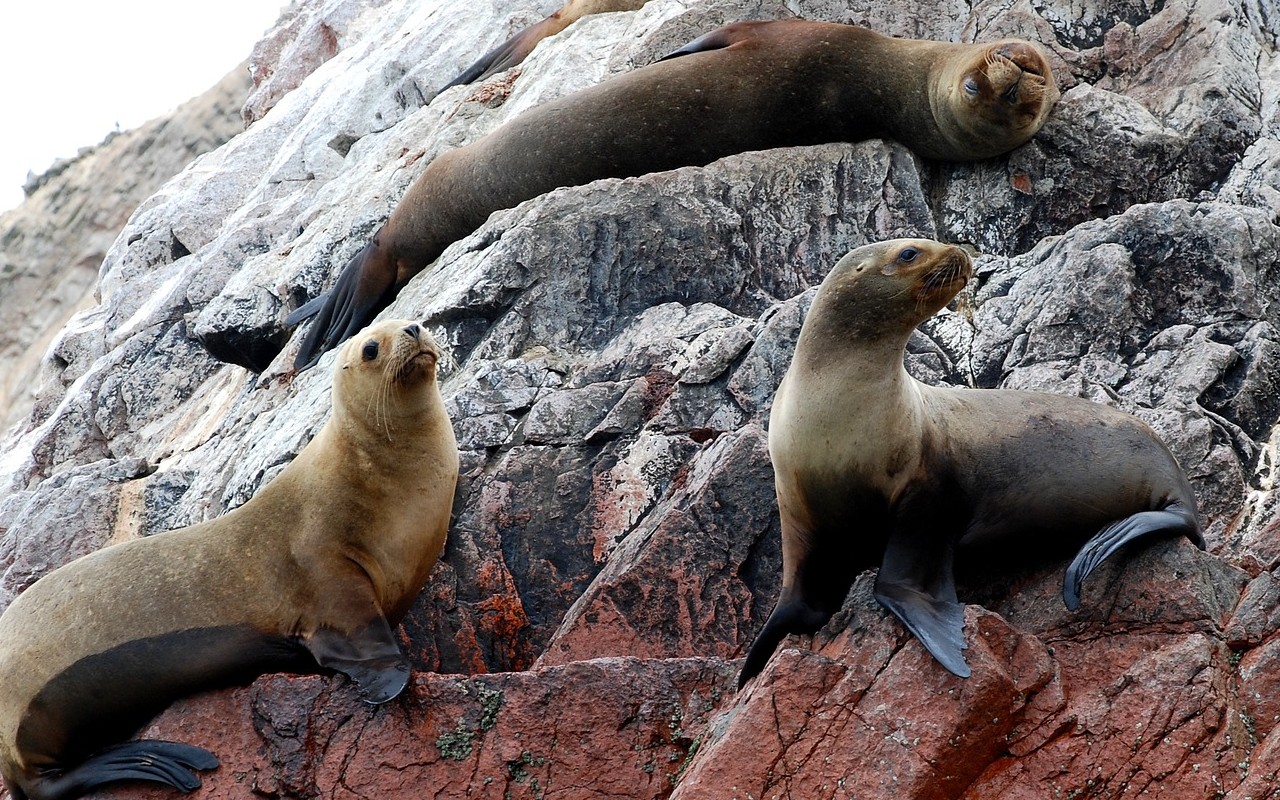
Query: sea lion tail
x=170 y=763
x=1174 y=519
x=364 y=288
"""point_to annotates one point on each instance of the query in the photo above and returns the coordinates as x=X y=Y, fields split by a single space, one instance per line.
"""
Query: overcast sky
x=72 y=70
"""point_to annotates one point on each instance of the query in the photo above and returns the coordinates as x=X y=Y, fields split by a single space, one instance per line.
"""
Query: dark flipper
x=366 y=286
x=1173 y=520
x=916 y=580
x=370 y=657
x=307 y=310
x=791 y=615
x=169 y=763
x=509 y=53
x=717 y=39
x=937 y=621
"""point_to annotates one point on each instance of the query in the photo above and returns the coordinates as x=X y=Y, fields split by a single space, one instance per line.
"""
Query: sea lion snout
x=949 y=273
x=414 y=330
x=1024 y=56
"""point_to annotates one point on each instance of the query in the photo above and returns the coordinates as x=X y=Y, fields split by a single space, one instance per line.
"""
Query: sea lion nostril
x=413 y=330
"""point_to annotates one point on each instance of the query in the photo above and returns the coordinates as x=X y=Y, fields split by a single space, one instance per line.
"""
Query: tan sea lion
x=313 y=572
x=874 y=468
x=514 y=50
x=748 y=86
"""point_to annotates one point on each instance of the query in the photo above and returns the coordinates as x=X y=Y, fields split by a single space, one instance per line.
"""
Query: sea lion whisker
x=836 y=442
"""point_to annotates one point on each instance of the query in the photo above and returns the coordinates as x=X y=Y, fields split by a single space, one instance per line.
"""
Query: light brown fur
x=323 y=560
x=875 y=469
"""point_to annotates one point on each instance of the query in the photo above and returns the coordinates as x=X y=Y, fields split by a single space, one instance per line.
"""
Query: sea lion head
x=387 y=372
x=887 y=288
x=991 y=98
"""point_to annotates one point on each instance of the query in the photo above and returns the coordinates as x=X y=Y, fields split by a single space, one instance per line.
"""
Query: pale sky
x=71 y=70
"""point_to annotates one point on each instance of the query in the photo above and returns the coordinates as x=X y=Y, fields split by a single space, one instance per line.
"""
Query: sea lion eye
x=908 y=255
x=370 y=351
x=970 y=86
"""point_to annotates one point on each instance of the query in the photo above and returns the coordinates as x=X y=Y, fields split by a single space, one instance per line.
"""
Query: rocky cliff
x=52 y=245
x=615 y=544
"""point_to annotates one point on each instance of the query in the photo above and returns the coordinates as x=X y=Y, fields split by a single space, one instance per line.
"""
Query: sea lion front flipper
x=170 y=763
x=791 y=615
x=370 y=657
x=366 y=286
x=717 y=39
x=937 y=622
x=916 y=580
x=1172 y=520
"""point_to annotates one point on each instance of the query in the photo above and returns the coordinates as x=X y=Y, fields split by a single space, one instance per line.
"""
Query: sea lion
x=313 y=572
x=514 y=50
x=874 y=468
x=747 y=86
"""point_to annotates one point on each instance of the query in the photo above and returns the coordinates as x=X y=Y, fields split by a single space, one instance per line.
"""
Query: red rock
x=605 y=728
x=674 y=586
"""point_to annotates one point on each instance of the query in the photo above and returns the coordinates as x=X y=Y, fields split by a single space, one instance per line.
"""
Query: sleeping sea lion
x=875 y=469
x=747 y=86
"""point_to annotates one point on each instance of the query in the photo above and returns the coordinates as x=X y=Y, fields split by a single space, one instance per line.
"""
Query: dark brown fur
x=748 y=86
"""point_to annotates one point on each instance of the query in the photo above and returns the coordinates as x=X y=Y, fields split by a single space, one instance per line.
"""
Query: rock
x=52 y=244
x=617 y=727
x=615 y=350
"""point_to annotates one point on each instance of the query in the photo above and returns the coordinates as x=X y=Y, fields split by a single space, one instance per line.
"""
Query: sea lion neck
x=395 y=420
x=839 y=332
x=840 y=348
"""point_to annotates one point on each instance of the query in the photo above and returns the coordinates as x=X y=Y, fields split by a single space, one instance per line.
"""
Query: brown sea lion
x=748 y=86
x=514 y=50
x=313 y=572
x=874 y=468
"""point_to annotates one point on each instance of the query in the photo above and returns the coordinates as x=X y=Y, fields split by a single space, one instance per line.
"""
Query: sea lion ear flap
x=370 y=657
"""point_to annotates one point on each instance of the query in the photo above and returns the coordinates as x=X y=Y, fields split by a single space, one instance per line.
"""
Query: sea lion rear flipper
x=366 y=286
x=1174 y=519
x=509 y=53
x=370 y=657
x=170 y=763
x=717 y=39
x=307 y=310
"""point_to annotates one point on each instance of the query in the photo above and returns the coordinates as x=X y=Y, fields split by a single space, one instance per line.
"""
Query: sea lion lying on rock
x=747 y=86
